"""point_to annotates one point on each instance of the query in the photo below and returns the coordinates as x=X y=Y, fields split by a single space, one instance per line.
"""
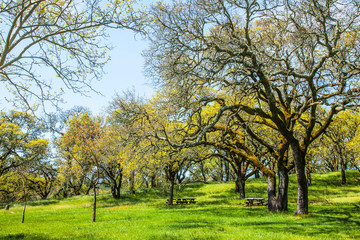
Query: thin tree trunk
x=171 y=190
x=132 y=183
x=227 y=172
x=343 y=175
x=237 y=185
x=94 y=207
x=23 y=213
x=257 y=174
x=153 y=181
x=89 y=189
x=308 y=175
x=65 y=191
x=25 y=202
x=203 y=173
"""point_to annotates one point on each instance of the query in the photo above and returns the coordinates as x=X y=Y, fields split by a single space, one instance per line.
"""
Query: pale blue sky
x=123 y=72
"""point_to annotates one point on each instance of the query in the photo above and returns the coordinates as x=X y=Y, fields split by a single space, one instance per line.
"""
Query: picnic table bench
x=184 y=201
x=255 y=201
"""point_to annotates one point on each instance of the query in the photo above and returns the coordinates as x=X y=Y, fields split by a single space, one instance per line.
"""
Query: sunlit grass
x=219 y=214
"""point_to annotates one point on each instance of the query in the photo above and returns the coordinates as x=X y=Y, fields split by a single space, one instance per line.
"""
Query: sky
x=125 y=71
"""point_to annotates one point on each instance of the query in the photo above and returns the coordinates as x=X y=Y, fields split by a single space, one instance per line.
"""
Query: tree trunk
x=65 y=191
x=23 y=213
x=132 y=183
x=240 y=183
x=343 y=175
x=308 y=175
x=89 y=189
x=302 y=200
x=25 y=202
x=271 y=191
x=278 y=202
x=94 y=207
x=203 y=172
x=116 y=186
x=257 y=174
x=282 y=193
x=237 y=185
x=242 y=188
x=227 y=172
x=171 y=190
x=115 y=190
x=153 y=181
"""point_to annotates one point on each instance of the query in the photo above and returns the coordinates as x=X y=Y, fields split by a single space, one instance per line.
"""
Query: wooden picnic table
x=184 y=201
x=252 y=201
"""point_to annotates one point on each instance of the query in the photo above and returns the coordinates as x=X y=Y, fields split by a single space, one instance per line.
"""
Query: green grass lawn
x=219 y=214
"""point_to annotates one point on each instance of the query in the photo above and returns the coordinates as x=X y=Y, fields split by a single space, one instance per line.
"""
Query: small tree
x=81 y=141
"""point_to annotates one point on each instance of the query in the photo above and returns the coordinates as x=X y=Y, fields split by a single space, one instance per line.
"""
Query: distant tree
x=43 y=179
x=21 y=141
x=81 y=144
x=56 y=123
x=337 y=144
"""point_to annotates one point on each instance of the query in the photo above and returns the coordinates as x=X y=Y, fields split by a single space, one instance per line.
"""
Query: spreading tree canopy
x=293 y=58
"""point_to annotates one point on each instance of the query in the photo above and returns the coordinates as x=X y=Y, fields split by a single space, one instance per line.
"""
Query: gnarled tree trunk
x=299 y=160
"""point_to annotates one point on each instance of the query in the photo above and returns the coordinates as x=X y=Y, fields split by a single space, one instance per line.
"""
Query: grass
x=334 y=214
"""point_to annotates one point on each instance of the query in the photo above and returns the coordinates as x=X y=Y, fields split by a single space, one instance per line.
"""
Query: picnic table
x=252 y=201
x=184 y=201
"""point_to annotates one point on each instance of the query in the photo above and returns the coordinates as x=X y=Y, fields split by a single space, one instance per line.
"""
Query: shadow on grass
x=24 y=236
x=337 y=223
x=43 y=202
x=341 y=223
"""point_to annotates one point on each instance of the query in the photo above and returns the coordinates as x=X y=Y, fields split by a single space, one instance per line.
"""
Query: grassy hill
x=219 y=214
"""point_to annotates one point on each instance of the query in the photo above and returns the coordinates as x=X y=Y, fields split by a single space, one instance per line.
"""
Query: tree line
x=133 y=146
x=261 y=86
